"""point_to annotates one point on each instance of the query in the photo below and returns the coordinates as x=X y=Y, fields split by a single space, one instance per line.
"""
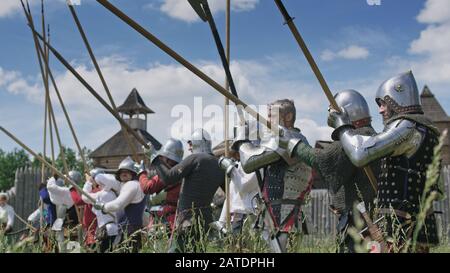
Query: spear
x=201 y=7
x=90 y=89
x=45 y=125
x=152 y=38
x=47 y=113
x=290 y=22
x=177 y=57
x=45 y=52
x=48 y=165
x=100 y=75
x=44 y=74
x=227 y=86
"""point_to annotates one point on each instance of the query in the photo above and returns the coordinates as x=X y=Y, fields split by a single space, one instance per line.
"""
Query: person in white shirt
x=6 y=214
x=66 y=212
x=131 y=199
x=107 y=224
x=243 y=189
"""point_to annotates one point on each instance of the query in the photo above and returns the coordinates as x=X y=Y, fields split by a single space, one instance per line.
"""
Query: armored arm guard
x=399 y=137
x=305 y=153
x=256 y=157
x=177 y=173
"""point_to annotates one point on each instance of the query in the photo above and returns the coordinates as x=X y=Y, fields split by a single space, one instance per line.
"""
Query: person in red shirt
x=84 y=211
x=171 y=154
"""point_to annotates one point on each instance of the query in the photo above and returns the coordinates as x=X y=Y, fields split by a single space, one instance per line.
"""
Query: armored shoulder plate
x=398 y=137
x=273 y=144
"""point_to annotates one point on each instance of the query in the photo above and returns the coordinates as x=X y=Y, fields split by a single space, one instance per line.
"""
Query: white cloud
x=9 y=7
x=183 y=11
x=314 y=131
x=430 y=52
x=162 y=87
x=15 y=83
x=352 y=52
x=435 y=11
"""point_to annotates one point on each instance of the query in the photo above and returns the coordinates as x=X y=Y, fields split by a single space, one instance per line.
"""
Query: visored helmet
x=400 y=93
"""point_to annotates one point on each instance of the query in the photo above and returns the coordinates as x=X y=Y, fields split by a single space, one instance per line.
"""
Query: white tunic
x=103 y=196
x=59 y=195
x=7 y=215
x=243 y=188
x=130 y=193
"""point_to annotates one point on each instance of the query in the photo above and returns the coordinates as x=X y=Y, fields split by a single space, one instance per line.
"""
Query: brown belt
x=295 y=202
x=397 y=212
x=400 y=213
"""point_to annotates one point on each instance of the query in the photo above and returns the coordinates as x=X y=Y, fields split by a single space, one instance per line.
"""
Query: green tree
x=9 y=163
x=74 y=161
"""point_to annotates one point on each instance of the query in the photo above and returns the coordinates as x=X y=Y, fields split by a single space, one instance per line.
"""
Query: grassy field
x=248 y=241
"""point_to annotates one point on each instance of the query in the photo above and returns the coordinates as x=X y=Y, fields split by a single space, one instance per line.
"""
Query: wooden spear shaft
x=45 y=123
x=149 y=36
x=48 y=165
x=227 y=86
x=36 y=42
x=41 y=52
x=102 y=78
x=58 y=138
x=41 y=204
x=44 y=74
x=91 y=90
x=55 y=170
x=320 y=78
x=66 y=114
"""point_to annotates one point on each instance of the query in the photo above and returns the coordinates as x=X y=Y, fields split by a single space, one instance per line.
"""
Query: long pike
x=91 y=89
x=290 y=22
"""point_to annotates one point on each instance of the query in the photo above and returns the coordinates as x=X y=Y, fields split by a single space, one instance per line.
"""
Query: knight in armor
x=131 y=200
x=108 y=190
x=405 y=148
x=170 y=154
x=286 y=180
x=347 y=184
x=201 y=177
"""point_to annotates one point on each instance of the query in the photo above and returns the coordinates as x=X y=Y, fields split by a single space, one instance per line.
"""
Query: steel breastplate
x=402 y=179
x=272 y=143
x=284 y=182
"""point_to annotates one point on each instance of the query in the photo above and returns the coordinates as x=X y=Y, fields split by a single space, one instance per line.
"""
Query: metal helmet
x=400 y=93
x=75 y=176
x=94 y=172
x=201 y=142
x=59 y=182
x=126 y=164
x=354 y=104
x=172 y=149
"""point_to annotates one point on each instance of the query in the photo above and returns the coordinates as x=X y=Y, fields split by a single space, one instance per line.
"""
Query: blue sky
x=356 y=46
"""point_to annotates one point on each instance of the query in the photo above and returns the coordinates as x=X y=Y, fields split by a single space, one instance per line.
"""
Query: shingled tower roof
x=431 y=107
x=434 y=111
x=116 y=148
x=134 y=104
